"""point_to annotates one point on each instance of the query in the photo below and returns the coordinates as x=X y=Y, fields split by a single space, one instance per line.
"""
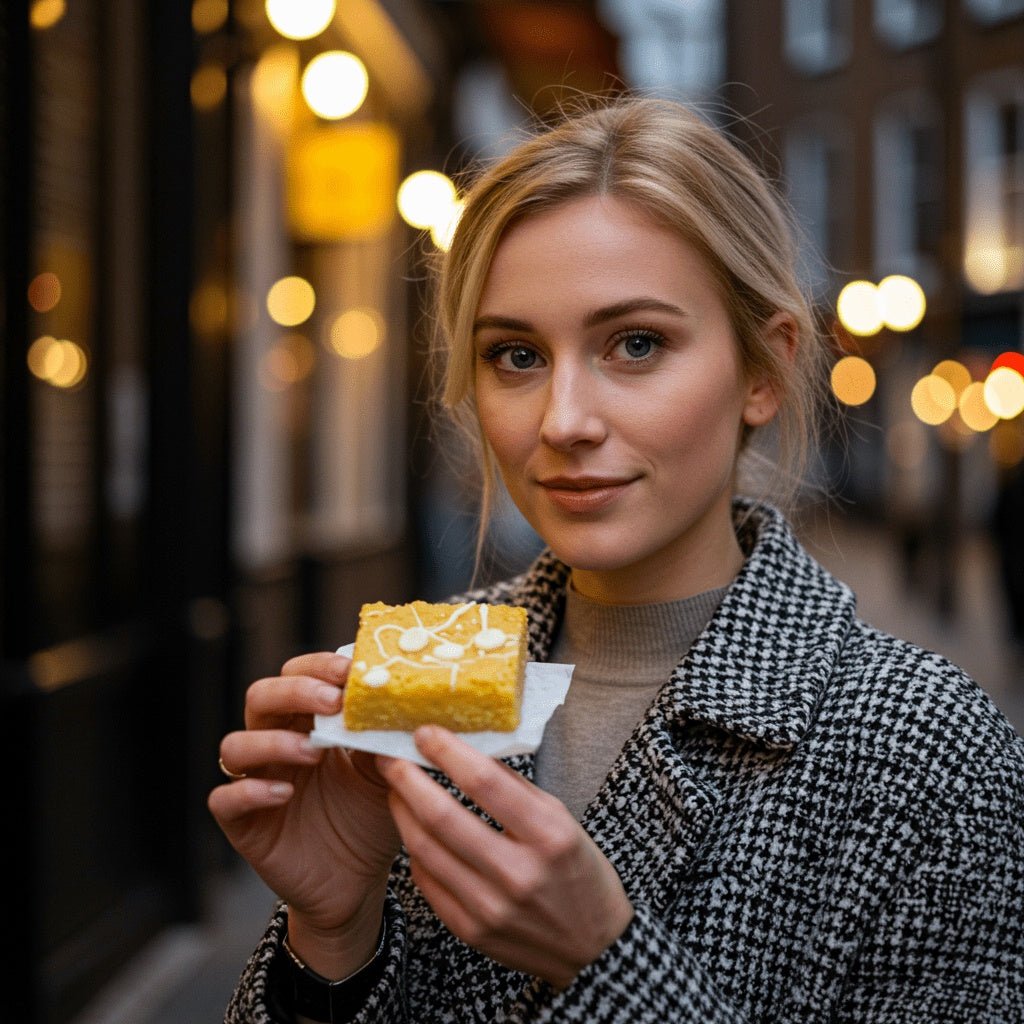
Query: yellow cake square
x=456 y=665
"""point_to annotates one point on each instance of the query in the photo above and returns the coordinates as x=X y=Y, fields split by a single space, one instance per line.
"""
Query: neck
x=666 y=580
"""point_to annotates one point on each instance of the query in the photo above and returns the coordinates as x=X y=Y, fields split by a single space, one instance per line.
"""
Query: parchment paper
x=544 y=689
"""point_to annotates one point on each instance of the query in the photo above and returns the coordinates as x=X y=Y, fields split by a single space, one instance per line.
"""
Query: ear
x=780 y=334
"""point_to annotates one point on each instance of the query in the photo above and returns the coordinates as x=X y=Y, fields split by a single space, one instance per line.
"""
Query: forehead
x=595 y=249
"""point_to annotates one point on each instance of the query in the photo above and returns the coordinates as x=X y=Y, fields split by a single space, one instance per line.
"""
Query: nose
x=573 y=413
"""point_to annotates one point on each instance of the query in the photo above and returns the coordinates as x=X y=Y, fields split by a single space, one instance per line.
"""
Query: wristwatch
x=313 y=996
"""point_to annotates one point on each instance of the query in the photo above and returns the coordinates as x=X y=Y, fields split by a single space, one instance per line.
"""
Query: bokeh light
x=442 y=234
x=955 y=374
x=273 y=83
x=209 y=86
x=291 y=301
x=1004 y=392
x=859 y=308
x=902 y=302
x=44 y=14
x=209 y=15
x=427 y=199
x=973 y=410
x=300 y=19
x=335 y=84
x=208 y=308
x=1014 y=360
x=357 y=332
x=933 y=400
x=61 y=363
x=853 y=380
x=44 y=292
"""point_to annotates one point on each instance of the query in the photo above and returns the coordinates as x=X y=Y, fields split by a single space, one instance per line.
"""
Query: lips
x=579 y=494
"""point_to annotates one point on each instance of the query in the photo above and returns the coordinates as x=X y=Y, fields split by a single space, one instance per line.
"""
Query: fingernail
x=340 y=663
x=280 y=790
x=328 y=696
x=306 y=746
x=428 y=734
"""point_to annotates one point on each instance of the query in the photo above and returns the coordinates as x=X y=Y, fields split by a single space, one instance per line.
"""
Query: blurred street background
x=215 y=218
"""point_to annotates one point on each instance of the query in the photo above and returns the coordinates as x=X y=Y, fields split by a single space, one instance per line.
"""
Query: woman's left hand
x=539 y=897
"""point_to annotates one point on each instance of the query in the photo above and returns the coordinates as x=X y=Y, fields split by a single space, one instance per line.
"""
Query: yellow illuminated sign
x=342 y=182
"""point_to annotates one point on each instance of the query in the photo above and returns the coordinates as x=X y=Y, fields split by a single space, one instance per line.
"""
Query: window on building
x=903 y=23
x=995 y=10
x=817 y=171
x=667 y=47
x=817 y=34
x=908 y=177
x=994 y=184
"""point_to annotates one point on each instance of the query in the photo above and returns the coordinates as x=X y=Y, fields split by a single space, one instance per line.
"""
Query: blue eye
x=637 y=345
x=521 y=358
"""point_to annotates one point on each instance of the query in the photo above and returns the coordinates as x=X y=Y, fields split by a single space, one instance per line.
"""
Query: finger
x=279 y=699
x=246 y=751
x=233 y=802
x=521 y=807
x=321 y=664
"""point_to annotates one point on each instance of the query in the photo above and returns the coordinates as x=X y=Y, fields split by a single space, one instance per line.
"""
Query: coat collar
x=760 y=665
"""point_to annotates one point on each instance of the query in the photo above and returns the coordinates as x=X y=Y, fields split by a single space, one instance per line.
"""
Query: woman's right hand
x=313 y=823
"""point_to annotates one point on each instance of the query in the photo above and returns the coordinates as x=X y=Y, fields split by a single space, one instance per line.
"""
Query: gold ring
x=233 y=776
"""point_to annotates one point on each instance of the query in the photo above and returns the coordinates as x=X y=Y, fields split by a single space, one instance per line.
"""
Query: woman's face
x=610 y=388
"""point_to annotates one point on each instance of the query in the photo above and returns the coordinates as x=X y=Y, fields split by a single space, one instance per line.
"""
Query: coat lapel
x=756 y=673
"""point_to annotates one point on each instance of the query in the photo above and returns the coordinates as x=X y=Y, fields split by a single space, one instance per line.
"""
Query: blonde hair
x=671 y=163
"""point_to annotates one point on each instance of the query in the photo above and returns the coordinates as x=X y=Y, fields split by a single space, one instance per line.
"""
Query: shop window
x=994 y=184
x=817 y=163
x=817 y=34
x=908 y=216
x=903 y=23
x=668 y=47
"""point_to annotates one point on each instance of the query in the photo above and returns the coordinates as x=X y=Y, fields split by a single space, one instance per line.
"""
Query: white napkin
x=544 y=689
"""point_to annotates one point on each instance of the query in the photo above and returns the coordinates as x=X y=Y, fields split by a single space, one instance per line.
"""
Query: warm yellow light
x=973 y=410
x=986 y=269
x=60 y=363
x=46 y=13
x=443 y=233
x=859 y=308
x=853 y=380
x=300 y=19
x=44 y=292
x=902 y=302
x=290 y=301
x=273 y=83
x=335 y=84
x=209 y=15
x=933 y=400
x=357 y=333
x=427 y=199
x=1004 y=392
x=955 y=374
x=208 y=87
x=37 y=353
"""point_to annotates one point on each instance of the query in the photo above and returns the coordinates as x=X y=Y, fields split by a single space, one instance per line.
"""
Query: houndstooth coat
x=814 y=821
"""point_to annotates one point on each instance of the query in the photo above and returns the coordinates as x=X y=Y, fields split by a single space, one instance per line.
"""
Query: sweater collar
x=760 y=666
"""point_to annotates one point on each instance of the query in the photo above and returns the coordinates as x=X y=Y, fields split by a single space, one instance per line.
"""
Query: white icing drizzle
x=413 y=640
x=377 y=676
x=446 y=653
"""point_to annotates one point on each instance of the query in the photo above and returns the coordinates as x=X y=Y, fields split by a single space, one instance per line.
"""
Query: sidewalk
x=187 y=975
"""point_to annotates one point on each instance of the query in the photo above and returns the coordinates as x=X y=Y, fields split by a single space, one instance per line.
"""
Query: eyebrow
x=592 y=319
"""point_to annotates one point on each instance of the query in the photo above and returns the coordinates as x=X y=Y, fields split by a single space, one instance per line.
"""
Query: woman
x=752 y=807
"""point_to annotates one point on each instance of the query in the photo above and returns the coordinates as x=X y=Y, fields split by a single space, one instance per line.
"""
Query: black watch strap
x=300 y=990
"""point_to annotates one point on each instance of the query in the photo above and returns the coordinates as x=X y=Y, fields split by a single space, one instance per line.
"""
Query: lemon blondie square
x=457 y=665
